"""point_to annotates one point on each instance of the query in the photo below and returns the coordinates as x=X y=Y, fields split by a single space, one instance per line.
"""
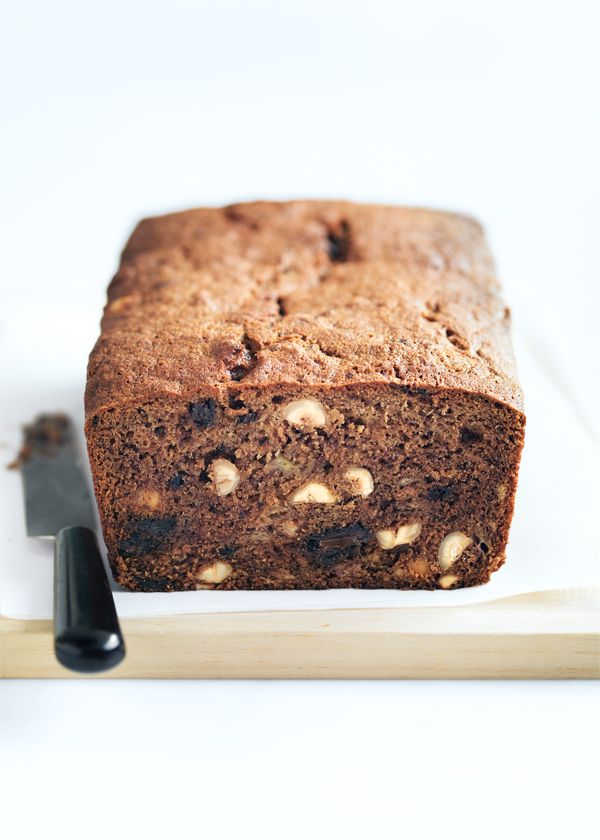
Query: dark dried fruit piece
x=338 y=243
x=250 y=417
x=153 y=584
x=146 y=535
x=442 y=493
x=336 y=544
x=227 y=550
x=176 y=481
x=203 y=413
x=470 y=435
x=237 y=373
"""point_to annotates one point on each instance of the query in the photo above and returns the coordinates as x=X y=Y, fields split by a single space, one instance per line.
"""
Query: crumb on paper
x=47 y=432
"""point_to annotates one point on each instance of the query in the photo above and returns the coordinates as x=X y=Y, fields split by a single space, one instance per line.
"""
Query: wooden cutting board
x=549 y=635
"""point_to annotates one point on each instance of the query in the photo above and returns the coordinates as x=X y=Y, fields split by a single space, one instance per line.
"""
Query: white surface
x=543 y=554
x=124 y=108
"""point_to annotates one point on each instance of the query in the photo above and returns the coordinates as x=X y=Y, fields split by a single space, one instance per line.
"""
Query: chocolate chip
x=176 y=481
x=334 y=544
x=203 y=413
x=146 y=535
x=441 y=493
x=470 y=435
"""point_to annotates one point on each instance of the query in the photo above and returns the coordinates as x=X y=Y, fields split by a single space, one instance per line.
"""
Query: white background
x=115 y=110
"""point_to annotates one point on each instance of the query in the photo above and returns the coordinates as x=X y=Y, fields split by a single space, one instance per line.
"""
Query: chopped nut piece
x=418 y=567
x=314 y=493
x=216 y=572
x=224 y=475
x=501 y=491
x=283 y=464
x=446 y=581
x=147 y=499
x=451 y=547
x=290 y=528
x=361 y=480
x=402 y=535
x=305 y=413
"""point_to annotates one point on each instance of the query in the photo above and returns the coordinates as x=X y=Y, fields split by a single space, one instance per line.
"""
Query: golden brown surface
x=205 y=296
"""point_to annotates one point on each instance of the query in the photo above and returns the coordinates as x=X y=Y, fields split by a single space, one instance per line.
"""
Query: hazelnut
x=446 y=581
x=224 y=475
x=402 y=535
x=361 y=481
x=216 y=572
x=305 y=413
x=148 y=499
x=313 y=493
x=451 y=547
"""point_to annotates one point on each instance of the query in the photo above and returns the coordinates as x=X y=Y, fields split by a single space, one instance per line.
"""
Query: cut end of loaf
x=389 y=487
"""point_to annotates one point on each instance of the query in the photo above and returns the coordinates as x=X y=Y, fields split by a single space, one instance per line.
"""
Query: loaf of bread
x=305 y=395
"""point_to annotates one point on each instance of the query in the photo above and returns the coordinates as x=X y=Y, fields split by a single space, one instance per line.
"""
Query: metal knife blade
x=55 y=488
x=58 y=503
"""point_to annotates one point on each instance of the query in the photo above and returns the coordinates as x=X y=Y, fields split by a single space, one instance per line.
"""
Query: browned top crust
x=322 y=293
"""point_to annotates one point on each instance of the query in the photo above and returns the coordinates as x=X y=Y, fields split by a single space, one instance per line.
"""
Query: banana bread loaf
x=304 y=395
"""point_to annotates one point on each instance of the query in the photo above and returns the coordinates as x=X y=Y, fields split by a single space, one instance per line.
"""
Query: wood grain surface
x=549 y=635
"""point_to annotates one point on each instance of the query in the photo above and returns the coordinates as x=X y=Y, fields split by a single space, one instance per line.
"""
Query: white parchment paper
x=555 y=538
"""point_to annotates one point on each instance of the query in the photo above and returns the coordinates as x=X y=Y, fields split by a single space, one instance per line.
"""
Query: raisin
x=176 y=481
x=441 y=493
x=153 y=584
x=160 y=431
x=203 y=413
x=246 y=360
x=227 y=550
x=327 y=547
x=470 y=435
x=250 y=417
x=145 y=535
x=338 y=243
x=237 y=373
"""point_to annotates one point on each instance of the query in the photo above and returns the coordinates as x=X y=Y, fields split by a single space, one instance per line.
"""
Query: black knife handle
x=87 y=636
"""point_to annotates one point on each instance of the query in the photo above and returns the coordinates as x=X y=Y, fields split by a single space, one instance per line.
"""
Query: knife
x=58 y=504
